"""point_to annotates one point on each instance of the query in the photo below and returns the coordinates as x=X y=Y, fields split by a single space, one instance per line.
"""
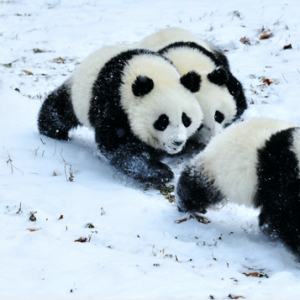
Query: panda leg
x=141 y=167
x=56 y=116
x=278 y=191
x=283 y=223
x=195 y=192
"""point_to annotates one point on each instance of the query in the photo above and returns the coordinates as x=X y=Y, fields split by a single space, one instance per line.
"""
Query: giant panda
x=256 y=163
x=136 y=102
x=221 y=95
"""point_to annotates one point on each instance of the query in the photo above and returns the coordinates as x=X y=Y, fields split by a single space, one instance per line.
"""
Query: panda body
x=256 y=163
x=221 y=95
x=137 y=104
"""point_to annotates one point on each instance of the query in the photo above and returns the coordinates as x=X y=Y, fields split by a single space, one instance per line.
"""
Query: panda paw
x=164 y=174
x=156 y=173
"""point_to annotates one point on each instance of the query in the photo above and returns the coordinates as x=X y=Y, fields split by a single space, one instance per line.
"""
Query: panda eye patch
x=161 y=123
x=219 y=117
x=142 y=86
x=186 y=120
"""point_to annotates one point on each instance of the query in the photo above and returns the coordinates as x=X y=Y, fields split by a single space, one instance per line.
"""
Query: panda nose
x=177 y=143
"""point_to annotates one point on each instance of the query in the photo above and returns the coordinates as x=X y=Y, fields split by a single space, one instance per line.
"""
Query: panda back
x=82 y=81
x=165 y=37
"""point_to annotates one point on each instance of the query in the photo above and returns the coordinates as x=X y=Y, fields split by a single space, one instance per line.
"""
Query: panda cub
x=221 y=95
x=256 y=163
x=136 y=102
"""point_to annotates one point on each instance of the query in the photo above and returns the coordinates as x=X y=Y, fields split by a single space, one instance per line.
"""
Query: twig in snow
x=70 y=168
x=20 y=210
x=42 y=141
x=9 y=161
x=284 y=78
x=36 y=151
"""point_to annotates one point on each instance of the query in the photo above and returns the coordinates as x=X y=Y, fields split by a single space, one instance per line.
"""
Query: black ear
x=142 y=86
x=191 y=81
x=219 y=76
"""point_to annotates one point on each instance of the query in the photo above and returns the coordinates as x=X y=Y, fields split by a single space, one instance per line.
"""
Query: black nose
x=177 y=143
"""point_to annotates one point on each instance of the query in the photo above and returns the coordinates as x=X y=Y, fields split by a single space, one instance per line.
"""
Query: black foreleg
x=56 y=116
x=140 y=166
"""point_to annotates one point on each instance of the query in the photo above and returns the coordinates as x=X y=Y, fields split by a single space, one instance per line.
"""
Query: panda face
x=217 y=104
x=161 y=110
x=173 y=137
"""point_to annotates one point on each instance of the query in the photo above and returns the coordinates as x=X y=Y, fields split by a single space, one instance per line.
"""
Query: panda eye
x=219 y=117
x=186 y=120
x=161 y=123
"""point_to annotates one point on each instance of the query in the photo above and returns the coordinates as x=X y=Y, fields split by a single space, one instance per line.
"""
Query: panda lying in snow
x=256 y=163
x=137 y=103
x=221 y=95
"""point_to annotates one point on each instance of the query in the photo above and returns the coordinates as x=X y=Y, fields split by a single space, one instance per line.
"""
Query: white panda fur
x=251 y=163
x=125 y=94
x=81 y=82
x=165 y=37
x=212 y=97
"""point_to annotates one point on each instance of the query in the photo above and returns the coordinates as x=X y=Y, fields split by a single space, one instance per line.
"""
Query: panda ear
x=219 y=76
x=191 y=81
x=142 y=86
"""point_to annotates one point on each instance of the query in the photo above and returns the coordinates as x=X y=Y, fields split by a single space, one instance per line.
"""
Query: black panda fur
x=277 y=172
x=220 y=76
x=113 y=133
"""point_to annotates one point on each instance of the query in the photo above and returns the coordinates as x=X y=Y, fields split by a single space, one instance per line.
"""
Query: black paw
x=157 y=173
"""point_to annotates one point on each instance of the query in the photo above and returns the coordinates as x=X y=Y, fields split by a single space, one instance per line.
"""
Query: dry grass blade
x=180 y=221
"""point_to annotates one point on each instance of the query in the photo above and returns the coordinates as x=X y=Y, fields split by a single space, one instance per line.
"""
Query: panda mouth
x=173 y=149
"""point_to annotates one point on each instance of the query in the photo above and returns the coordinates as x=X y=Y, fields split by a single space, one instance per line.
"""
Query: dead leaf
x=254 y=274
x=59 y=60
x=54 y=174
x=33 y=229
x=81 y=240
x=202 y=220
x=287 y=47
x=180 y=221
x=32 y=218
x=27 y=72
x=245 y=41
x=235 y=297
x=61 y=217
x=266 y=36
x=268 y=81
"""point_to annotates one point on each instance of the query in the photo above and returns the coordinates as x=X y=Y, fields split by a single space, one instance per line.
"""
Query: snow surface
x=135 y=250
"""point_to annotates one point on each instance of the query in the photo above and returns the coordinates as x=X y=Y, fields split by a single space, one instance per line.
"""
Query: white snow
x=130 y=248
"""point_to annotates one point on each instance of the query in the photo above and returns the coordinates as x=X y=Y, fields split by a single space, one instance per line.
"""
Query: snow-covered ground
x=135 y=249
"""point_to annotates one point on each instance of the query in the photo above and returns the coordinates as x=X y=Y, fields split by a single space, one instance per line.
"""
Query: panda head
x=160 y=105
x=217 y=104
